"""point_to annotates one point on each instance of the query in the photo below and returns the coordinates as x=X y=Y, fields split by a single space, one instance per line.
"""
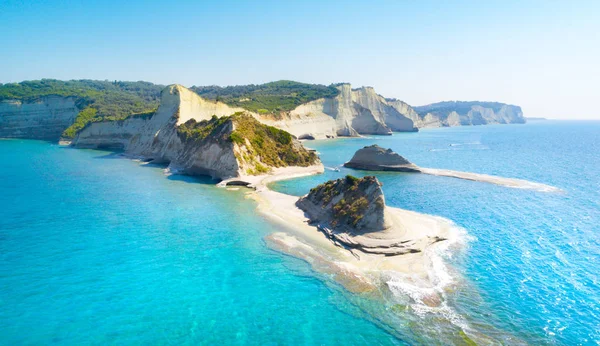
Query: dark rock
x=376 y=158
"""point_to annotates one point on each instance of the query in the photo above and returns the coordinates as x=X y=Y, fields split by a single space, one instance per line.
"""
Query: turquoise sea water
x=96 y=249
x=531 y=271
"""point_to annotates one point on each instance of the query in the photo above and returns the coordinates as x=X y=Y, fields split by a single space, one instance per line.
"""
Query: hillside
x=52 y=109
x=93 y=100
x=199 y=137
x=268 y=98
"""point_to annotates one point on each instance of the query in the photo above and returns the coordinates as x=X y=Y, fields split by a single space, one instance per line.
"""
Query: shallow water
x=98 y=249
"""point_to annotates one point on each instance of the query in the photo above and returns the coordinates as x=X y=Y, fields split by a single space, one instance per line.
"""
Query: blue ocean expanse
x=98 y=249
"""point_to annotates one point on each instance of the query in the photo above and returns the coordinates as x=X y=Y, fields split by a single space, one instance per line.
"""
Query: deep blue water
x=97 y=249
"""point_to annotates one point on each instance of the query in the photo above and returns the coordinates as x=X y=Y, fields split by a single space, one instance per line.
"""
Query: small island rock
x=376 y=158
x=350 y=205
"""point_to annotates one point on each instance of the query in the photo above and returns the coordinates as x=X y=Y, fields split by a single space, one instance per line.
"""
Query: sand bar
x=356 y=270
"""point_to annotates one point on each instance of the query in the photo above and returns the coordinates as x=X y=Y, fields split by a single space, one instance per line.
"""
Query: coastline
x=355 y=270
x=491 y=179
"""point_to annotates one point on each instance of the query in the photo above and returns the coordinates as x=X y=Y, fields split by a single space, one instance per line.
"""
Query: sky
x=541 y=55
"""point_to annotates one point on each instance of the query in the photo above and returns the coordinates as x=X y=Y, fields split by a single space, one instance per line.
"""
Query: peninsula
x=461 y=113
x=343 y=228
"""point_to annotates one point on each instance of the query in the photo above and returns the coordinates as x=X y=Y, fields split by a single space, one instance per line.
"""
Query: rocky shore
x=359 y=257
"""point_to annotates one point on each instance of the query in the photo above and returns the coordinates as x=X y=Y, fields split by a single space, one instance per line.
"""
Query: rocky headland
x=352 y=213
x=199 y=137
x=343 y=228
x=461 y=113
x=353 y=112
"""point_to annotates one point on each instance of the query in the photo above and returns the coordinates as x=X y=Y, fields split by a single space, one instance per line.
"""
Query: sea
x=99 y=249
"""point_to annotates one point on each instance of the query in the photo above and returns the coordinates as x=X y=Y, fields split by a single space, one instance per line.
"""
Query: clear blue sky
x=542 y=55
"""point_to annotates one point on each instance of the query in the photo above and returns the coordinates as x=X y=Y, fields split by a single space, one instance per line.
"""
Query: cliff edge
x=461 y=113
x=353 y=112
x=199 y=137
x=43 y=118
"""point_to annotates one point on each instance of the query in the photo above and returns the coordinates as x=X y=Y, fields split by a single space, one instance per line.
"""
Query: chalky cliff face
x=458 y=113
x=45 y=118
x=196 y=136
x=351 y=113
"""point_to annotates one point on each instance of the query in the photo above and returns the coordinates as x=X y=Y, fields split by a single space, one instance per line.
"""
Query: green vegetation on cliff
x=271 y=146
x=83 y=118
x=262 y=146
x=269 y=98
x=351 y=208
x=97 y=100
x=195 y=131
x=460 y=107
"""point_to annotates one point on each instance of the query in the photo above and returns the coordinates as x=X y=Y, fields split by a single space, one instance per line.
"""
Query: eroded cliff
x=45 y=118
x=351 y=113
x=461 y=113
x=199 y=137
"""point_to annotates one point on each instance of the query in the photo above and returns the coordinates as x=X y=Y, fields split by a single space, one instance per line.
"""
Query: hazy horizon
x=541 y=56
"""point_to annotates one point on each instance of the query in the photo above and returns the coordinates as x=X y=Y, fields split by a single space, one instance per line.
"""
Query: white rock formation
x=156 y=138
x=45 y=118
x=351 y=113
x=409 y=112
x=459 y=113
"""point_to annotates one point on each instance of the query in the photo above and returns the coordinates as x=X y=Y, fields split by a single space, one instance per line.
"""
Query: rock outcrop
x=45 y=118
x=352 y=213
x=459 y=113
x=199 y=137
x=351 y=113
x=376 y=158
x=348 y=205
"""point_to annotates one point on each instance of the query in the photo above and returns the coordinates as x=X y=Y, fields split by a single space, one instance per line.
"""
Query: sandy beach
x=357 y=271
x=492 y=179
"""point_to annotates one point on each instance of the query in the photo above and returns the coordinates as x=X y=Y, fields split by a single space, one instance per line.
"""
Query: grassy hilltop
x=97 y=100
x=106 y=100
x=268 y=98
x=261 y=146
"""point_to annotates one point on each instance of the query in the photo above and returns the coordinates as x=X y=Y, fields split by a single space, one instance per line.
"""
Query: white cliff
x=161 y=138
x=45 y=118
x=409 y=112
x=351 y=113
x=459 y=113
x=382 y=111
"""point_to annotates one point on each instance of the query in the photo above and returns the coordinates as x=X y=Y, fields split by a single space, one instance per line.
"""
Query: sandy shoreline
x=492 y=179
x=357 y=271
